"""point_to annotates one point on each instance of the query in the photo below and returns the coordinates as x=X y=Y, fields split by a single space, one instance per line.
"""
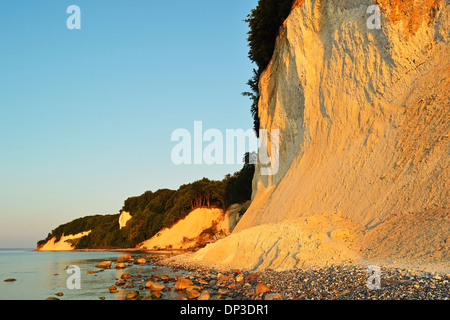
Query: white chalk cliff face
x=64 y=243
x=363 y=116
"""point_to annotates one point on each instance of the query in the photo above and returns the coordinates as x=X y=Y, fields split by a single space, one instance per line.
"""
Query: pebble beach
x=329 y=283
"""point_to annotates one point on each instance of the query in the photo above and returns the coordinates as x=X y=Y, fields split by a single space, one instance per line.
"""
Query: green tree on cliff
x=264 y=23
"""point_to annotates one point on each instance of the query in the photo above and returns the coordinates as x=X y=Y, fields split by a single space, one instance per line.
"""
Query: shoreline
x=135 y=250
x=165 y=269
x=180 y=258
x=335 y=282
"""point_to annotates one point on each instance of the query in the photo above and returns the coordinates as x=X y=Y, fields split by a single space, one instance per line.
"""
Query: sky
x=86 y=115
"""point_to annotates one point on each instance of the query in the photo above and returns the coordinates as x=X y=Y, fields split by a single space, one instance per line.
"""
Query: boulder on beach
x=113 y=289
x=131 y=295
x=204 y=295
x=154 y=286
x=124 y=258
x=120 y=282
x=183 y=283
x=273 y=296
x=120 y=265
x=261 y=288
x=104 y=264
x=10 y=280
x=193 y=292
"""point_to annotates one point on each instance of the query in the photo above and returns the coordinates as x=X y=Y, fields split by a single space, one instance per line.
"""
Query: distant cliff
x=144 y=216
x=363 y=116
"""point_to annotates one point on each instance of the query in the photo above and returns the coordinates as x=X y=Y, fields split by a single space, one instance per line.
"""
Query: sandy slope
x=185 y=233
x=314 y=241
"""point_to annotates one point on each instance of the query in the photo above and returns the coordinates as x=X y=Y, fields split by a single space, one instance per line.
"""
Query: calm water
x=42 y=274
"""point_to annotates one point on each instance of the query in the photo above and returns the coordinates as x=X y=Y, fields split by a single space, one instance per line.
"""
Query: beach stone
x=112 y=289
x=204 y=295
x=125 y=276
x=203 y=282
x=131 y=295
x=120 y=283
x=251 y=277
x=273 y=296
x=239 y=277
x=10 y=280
x=59 y=294
x=104 y=264
x=183 y=283
x=261 y=288
x=155 y=295
x=225 y=278
x=120 y=265
x=124 y=258
x=155 y=286
x=141 y=261
x=224 y=291
x=52 y=298
x=193 y=292
x=165 y=277
x=91 y=271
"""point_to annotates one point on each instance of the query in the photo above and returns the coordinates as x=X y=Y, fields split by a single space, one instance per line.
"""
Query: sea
x=41 y=275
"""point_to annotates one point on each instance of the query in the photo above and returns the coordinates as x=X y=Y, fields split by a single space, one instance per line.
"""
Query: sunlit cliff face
x=124 y=218
x=411 y=14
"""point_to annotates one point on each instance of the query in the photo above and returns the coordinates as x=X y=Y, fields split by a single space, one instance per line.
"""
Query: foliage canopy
x=264 y=22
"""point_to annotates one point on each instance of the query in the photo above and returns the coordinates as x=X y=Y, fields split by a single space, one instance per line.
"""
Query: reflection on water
x=41 y=275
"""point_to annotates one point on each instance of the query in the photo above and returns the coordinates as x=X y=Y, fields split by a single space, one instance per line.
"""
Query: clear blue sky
x=86 y=116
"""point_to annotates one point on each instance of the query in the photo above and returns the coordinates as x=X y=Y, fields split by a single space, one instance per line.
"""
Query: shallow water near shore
x=40 y=275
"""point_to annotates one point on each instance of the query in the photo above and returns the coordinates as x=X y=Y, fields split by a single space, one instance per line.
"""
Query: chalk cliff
x=65 y=243
x=363 y=116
